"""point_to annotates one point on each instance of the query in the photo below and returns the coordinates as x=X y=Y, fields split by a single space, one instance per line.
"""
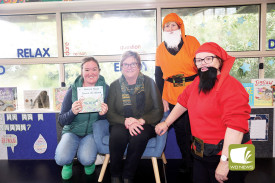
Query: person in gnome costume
x=174 y=71
x=219 y=111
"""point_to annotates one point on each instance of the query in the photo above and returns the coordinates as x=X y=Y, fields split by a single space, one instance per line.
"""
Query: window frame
x=83 y=6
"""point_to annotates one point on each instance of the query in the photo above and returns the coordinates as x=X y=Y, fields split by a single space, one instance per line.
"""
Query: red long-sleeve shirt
x=210 y=114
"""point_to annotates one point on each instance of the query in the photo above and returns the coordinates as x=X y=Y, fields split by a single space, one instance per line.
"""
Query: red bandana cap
x=228 y=61
x=173 y=17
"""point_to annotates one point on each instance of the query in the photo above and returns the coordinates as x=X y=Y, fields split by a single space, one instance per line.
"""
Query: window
x=270 y=27
x=245 y=69
x=231 y=27
x=27 y=36
x=269 y=67
x=110 y=71
x=29 y=77
x=109 y=32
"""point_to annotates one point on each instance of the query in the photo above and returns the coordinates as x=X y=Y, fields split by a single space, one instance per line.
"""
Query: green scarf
x=138 y=90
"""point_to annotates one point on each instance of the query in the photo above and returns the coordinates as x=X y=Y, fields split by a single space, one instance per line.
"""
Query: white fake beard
x=172 y=39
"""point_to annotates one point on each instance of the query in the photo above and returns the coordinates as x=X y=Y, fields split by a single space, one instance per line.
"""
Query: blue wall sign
x=117 y=66
x=270 y=45
x=29 y=53
x=2 y=70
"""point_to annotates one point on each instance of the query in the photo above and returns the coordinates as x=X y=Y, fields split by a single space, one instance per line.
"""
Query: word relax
x=29 y=53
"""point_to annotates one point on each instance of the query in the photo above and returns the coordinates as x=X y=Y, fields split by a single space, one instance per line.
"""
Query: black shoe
x=128 y=181
x=116 y=180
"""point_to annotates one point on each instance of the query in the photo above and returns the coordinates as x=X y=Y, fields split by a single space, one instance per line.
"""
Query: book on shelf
x=8 y=99
x=91 y=98
x=36 y=99
x=263 y=92
x=249 y=87
x=58 y=97
x=273 y=93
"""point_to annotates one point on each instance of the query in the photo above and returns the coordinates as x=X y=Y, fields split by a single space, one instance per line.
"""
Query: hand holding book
x=77 y=107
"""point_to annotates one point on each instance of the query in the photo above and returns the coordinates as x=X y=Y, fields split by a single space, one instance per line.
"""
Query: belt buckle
x=200 y=142
x=178 y=76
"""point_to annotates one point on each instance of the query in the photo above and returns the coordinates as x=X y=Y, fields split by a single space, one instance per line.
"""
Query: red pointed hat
x=214 y=48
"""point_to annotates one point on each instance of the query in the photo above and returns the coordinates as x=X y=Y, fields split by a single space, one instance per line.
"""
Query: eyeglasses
x=207 y=60
x=132 y=65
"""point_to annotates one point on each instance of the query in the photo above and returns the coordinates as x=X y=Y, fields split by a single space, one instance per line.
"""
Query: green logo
x=241 y=157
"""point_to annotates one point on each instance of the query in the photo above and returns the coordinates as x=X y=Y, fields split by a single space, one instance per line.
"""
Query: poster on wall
x=258 y=127
x=27 y=136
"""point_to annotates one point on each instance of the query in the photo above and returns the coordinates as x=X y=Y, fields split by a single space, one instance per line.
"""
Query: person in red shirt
x=218 y=108
x=174 y=71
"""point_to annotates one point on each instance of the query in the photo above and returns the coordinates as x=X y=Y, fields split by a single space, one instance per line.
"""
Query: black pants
x=183 y=136
x=119 y=139
x=204 y=171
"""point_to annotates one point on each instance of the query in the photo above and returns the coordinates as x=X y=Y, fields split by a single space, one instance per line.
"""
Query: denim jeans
x=71 y=144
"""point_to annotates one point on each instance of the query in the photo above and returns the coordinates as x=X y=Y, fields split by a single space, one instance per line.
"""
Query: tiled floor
x=46 y=171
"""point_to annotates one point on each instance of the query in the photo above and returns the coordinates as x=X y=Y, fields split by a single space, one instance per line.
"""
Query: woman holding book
x=77 y=134
x=218 y=108
x=135 y=107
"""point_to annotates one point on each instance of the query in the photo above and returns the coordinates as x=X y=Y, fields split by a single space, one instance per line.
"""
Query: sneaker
x=89 y=169
x=67 y=171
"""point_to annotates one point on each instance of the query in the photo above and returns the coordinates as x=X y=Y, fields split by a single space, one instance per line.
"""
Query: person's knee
x=86 y=158
x=118 y=133
x=62 y=159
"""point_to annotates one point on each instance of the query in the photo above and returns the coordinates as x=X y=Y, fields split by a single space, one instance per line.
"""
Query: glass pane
x=71 y=72
x=110 y=71
x=245 y=69
x=270 y=27
x=231 y=27
x=29 y=77
x=269 y=67
x=109 y=32
x=26 y=36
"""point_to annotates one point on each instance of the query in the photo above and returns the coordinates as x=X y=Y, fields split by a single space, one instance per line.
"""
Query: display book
x=36 y=99
x=91 y=98
x=249 y=87
x=58 y=97
x=8 y=98
x=263 y=94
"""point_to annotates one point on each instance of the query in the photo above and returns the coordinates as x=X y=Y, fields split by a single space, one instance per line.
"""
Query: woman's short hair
x=89 y=59
x=128 y=54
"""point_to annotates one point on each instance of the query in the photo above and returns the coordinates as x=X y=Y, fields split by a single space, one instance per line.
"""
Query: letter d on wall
x=270 y=42
x=2 y=70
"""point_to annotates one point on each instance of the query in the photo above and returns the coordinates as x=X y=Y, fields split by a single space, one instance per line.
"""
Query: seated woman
x=218 y=108
x=77 y=134
x=135 y=107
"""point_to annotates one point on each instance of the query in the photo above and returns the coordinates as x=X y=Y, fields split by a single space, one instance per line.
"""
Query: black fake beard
x=207 y=79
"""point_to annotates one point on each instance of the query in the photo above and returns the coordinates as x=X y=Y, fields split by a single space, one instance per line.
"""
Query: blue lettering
x=116 y=67
x=26 y=53
x=20 y=53
x=38 y=52
x=145 y=66
x=3 y=70
x=270 y=42
x=31 y=53
x=46 y=52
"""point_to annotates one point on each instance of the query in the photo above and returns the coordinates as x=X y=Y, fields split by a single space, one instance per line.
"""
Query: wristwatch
x=224 y=158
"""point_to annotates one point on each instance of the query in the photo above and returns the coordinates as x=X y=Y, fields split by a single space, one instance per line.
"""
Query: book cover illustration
x=8 y=98
x=58 y=97
x=263 y=91
x=249 y=87
x=91 y=98
x=273 y=93
x=36 y=99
